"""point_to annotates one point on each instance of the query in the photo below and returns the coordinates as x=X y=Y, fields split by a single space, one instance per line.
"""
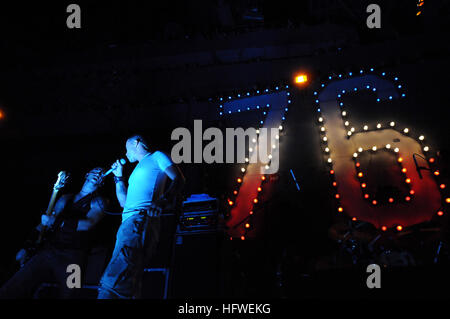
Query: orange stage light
x=251 y=212
x=360 y=174
x=230 y=202
x=447 y=200
x=340 y=209
x=442 y=186
x=259 y=189
x=242 y=237
x=354 y=219
x=431 y=160
x=301 y=78
x=407 y=198
x=412 y=192
x=235 y=192
x=263 y=178
x=404 y=170
x=358 y=164
x=399 y=227
x=247 y=225
x=366 y=195
x=239 y=180
x=255 y=201
x=334 y=184
x=2 y=115
x=440 y=213
x=408 y=180
x=391 y=200
x=374 y=202
x=331 y=172
x=436 y=173
x=337 y=196
x=400 y=159
x=383 y=228
x=363 y=185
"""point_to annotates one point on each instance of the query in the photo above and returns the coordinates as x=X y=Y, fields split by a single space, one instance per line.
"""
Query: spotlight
x=406 y=130
x=426 y=149
x=340 y=209
x=399 y=227
x=436 y=173
x=392 y=124
x=346 y=123
x=349 y=133
x=360 y=174
x=421 y=137
x=363 y=185
x=374 y=148
x=325 y=139
x=378 y=125
x=403 y=170
x=400 y=159
x=243 y=170
x=259 y=189
x=440 y=213
x=263 y=178
x=321 y=119
x=374 y=202
x=365 y=127
x=360 y=149
x=396 y=150
x=442 y=186
x=344 y=113
x=280 y=127
x=366 y=196
x=301 y=79
x=239 y=180
x=391 y=200
x=383 y=228
x=327 y=149
x=247 y=225
x=355 y=154
x=407 y=198
x=388 y=146
x=408 y=180
x=352 y=129
x=255 y=200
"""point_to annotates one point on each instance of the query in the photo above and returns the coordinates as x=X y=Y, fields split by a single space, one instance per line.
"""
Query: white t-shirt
x=146 y=183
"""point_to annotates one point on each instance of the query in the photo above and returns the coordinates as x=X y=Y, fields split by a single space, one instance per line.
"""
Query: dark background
x=72 y=97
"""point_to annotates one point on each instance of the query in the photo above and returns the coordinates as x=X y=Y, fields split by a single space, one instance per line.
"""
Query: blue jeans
x=136 y=241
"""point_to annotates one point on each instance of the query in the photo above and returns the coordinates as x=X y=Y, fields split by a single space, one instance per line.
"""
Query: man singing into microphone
x=142 y=201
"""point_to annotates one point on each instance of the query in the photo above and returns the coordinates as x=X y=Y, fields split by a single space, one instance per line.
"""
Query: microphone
x=122 y=161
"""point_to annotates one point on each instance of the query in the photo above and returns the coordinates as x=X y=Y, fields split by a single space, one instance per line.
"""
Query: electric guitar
x=25 y=254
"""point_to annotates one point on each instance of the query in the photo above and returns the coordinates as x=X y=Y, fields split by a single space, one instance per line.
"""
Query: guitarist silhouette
x=64 y=239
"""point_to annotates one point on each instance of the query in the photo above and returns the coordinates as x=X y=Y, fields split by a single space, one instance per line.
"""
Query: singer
x=142 y=204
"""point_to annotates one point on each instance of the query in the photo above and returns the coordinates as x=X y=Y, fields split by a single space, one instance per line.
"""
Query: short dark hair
x=140 y=139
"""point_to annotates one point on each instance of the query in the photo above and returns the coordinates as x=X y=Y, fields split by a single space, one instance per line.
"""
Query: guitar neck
x=52 y=202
